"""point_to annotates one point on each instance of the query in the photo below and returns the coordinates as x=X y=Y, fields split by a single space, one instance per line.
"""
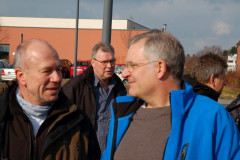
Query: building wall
x=63 y=40
x=232 y=62
x=238 y=57
x=38 y=22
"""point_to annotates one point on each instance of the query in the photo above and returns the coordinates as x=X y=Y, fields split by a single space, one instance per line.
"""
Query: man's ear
x=92 y=62
x=20 y=75
x=161 y=68
x=212 y=80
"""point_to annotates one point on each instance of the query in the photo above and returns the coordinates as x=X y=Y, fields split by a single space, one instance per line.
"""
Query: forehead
x=136 y=52
x=41 y=55
x=102 y=55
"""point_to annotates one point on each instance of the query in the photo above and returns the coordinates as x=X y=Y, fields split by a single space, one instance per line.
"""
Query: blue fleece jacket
x=201 y=128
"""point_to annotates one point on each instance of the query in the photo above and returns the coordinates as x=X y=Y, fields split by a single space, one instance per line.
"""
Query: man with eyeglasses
x=163 y=118
x=95 y=89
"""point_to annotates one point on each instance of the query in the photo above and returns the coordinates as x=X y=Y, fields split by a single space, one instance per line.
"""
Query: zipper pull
x=184 y=152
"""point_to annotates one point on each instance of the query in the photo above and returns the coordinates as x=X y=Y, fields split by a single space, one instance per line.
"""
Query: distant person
x=209 y=75
x=5 y=85
x=210 y=70
x=37 y=121
x=95 y=89
x=163 y=118
x=234 y=109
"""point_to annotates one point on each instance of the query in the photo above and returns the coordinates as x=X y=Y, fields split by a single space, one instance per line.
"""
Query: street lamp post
x=76 y=40
x=107 y=21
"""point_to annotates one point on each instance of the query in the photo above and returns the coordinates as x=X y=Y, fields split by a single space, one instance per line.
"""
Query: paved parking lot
x=225 y=102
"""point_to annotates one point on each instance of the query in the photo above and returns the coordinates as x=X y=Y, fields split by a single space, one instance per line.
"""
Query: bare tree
x=189 y=61
x=212 y=49
x=127 y=35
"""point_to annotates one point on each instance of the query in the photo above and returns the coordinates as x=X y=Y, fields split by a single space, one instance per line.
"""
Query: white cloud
x=197 y=23
x=200 y=44
x=221 y=28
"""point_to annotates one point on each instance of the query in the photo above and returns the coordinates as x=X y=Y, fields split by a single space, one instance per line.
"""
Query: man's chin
x=108 y=76
x=51 y=98
x=131 y=92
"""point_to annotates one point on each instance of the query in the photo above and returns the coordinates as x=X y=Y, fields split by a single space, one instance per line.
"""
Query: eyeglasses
x=105 y=63
x=131 y=66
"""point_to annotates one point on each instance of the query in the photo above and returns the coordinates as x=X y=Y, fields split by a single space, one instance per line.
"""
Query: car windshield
x=3 y=64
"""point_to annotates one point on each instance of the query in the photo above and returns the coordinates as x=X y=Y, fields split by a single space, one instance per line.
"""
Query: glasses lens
x=105 y=62
x=128 y=66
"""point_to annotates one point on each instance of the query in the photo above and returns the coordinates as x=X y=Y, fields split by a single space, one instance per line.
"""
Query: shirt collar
x=96 y=81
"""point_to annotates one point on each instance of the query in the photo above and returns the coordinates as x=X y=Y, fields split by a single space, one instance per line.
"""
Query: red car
x=82 y=65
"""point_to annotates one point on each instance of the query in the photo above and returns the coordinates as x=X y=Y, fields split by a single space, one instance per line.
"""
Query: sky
x=196 y=23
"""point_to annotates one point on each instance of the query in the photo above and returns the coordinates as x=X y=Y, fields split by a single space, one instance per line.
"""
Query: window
x=4 y=51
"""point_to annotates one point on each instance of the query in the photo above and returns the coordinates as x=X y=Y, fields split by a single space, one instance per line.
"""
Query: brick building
x=238 y=56
x=60 y=33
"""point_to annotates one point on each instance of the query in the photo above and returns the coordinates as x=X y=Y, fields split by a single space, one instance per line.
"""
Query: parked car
x=81 y=66
x=66 y=68
x=7 y=73
x=118 y=72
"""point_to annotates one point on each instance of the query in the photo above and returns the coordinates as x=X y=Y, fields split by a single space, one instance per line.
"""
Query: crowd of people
x=163 y=114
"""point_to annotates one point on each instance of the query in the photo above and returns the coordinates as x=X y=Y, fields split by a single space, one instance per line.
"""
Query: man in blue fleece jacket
x=163 y=118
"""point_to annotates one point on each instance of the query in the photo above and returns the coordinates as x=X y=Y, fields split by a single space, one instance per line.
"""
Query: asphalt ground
x=225 y=102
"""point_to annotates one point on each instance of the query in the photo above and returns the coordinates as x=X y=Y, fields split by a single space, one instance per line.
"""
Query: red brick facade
x=63 y=40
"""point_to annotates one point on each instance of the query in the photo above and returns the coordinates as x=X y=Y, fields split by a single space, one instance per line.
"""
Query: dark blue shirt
x=103 y=113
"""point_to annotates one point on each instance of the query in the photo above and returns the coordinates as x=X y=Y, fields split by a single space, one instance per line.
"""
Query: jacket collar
x=88 y=78
x=181 y=100
x=206 y=91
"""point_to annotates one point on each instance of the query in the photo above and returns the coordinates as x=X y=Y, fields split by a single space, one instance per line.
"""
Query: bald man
x=37 y=120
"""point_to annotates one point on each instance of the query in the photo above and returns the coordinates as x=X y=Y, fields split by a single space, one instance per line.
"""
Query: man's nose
x=56 y=76
x=125 y=73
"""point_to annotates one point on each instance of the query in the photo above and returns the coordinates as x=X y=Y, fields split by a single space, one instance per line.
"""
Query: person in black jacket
x=208 y=76
x=37 y=121
x=95 y=89
x=234 y=109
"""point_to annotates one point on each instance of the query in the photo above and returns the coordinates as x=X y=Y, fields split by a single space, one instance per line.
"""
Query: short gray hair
x=207 y=65
x=105 y=47
x=163 y=46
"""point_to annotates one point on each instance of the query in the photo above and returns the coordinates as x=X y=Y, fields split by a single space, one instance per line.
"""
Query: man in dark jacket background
x=208 y=75
x=208 y=79
x=95 y=89
x=37 y=121
x=234 y=109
